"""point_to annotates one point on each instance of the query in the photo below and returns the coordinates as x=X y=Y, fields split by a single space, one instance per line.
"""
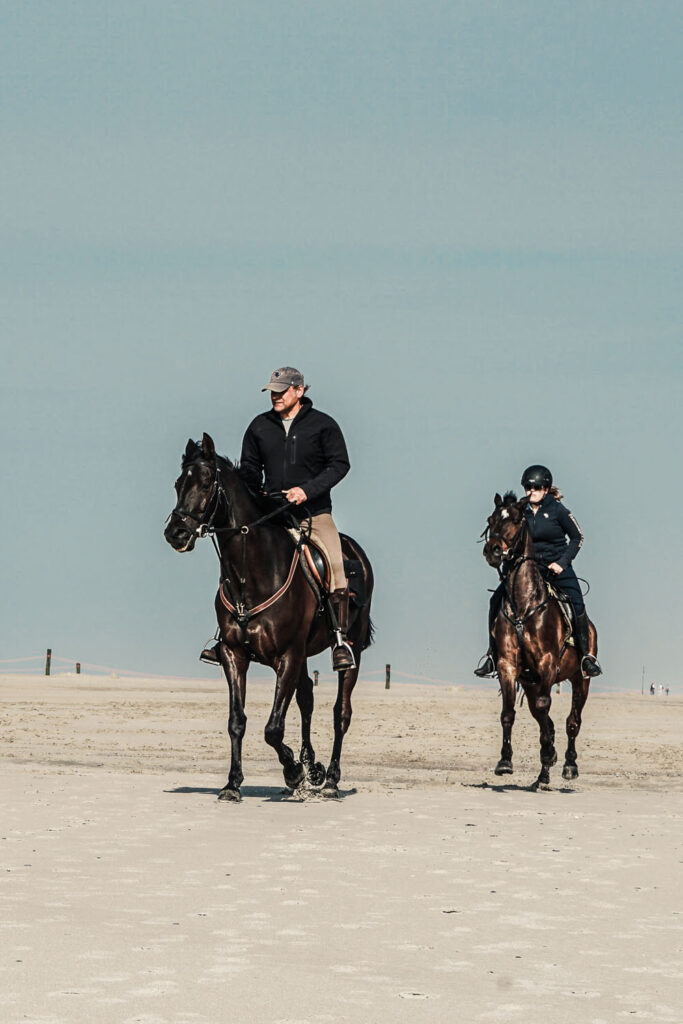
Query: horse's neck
x=241 y=506
x=266 y=546
x=528 y=587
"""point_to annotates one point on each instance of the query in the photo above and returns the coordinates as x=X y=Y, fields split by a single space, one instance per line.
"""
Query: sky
x=460 y=220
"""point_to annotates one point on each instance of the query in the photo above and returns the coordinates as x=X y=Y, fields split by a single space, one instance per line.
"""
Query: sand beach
x=430 y=891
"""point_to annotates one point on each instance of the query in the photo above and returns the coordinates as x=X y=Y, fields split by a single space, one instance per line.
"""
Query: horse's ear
x=190 y=448
x=498 y=501
x=208 y=447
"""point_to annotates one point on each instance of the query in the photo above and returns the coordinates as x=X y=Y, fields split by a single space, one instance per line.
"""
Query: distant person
x=300 y=452
x=652 y=689
x=557 y=539
x=667 y=691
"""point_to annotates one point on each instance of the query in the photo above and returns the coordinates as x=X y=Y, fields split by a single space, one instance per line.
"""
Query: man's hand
x=295 y=495
x=554 y=567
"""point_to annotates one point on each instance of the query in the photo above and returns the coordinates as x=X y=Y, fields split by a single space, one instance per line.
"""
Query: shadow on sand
x=273 y=794
x=514 y=787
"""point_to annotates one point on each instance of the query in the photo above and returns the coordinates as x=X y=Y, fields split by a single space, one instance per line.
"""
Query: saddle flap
x=565 y=605
x=318 y=564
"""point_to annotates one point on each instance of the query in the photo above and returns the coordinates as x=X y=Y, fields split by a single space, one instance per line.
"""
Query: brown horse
x=267 y=610
x=532 y=639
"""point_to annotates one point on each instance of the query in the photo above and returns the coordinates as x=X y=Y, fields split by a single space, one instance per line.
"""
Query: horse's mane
x=264 y=502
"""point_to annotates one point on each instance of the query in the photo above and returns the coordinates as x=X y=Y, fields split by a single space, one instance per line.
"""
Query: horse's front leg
x=538 y=694
x=304 y=698
x=580 y=684
x=235 y=664
x=288 y=669
x=507 y=676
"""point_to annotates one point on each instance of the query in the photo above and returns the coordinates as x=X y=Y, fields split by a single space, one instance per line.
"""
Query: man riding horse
x=299 y=451
x=557 y=539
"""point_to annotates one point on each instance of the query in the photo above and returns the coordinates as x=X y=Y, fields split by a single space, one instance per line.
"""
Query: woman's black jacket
x=312 y=455
x=555 y=532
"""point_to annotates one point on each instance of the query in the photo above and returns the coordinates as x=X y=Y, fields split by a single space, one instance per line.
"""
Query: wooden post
x=387 y=684
x=48 y=660
x=315 y=677
x=78 y=668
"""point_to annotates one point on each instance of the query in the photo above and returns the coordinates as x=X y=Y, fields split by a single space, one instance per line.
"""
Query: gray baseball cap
x=284 y=378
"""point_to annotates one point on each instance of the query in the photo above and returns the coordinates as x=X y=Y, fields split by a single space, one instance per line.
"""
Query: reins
x=516 y=561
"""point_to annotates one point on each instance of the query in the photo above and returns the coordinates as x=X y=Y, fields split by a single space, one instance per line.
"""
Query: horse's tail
x=369 y=637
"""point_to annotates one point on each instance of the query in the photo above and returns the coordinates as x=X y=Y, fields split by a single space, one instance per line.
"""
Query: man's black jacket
x=312 y=456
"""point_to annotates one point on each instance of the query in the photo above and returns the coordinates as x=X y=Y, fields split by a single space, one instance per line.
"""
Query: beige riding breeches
x=324 y=533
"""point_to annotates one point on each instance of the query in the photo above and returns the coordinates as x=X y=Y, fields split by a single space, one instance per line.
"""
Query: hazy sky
x=460 y=220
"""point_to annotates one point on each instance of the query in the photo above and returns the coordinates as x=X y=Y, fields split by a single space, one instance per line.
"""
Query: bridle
x=510 y=551
x=205 y=526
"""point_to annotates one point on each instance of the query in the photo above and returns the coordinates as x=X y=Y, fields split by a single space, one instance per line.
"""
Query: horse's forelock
x=509 y=498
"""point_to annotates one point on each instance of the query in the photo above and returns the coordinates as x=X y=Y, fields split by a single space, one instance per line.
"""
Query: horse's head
x=199 y=493
x=503 y=529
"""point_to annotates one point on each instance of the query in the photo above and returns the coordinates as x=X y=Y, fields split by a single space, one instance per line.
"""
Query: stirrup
x=342 y=654
x=590 y=666
x=488 y=669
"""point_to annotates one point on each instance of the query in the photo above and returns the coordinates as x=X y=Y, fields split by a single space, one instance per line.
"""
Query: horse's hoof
x=504 y=768
x=330 y=790
x=570 y=771
x=316 y=774
x=294 y=776
x=230 y=794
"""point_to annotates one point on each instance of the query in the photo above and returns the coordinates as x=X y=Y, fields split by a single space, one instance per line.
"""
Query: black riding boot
x=488 y=669
x=338 y=609
x=210 y=655
x=589 y=663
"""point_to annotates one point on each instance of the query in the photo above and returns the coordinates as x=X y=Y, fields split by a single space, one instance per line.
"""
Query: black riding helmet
x=537 y=476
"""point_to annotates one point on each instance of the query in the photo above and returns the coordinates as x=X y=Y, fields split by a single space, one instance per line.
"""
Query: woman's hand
x=554 y=567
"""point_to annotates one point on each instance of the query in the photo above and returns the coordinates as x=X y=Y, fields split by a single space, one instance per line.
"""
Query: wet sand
x=431 y=891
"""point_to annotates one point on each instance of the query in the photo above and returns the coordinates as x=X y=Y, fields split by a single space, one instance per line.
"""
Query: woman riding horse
x=557 y=539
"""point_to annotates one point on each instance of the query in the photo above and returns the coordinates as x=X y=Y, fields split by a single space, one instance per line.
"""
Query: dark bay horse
x=531 y=636
x=269 y=613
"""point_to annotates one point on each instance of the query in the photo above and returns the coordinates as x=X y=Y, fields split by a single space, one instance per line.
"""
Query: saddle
x=316 y=567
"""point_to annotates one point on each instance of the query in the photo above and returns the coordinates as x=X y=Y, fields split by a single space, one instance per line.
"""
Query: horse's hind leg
x=315 y=772
x=342 y=720
x=288 y=673
x=580 y=685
